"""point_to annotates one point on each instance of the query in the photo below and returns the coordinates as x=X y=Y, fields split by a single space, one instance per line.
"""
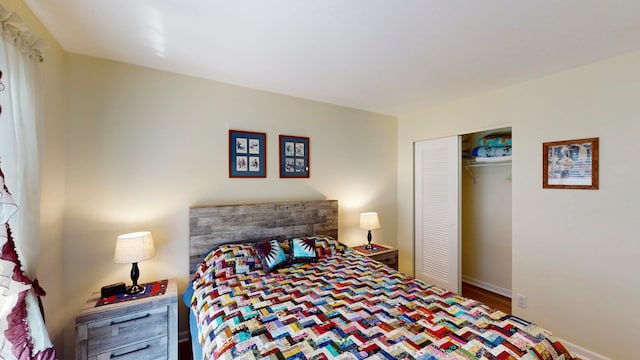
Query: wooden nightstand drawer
x=154 y=349
x=128 y=329
x=145 y=328
x=390 y=259
x=388 y=256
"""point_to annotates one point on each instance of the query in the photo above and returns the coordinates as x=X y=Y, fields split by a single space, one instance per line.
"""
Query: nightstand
x=389 y=256
x=145 y=328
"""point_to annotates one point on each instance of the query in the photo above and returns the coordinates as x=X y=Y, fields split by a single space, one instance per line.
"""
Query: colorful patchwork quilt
x=346 y=306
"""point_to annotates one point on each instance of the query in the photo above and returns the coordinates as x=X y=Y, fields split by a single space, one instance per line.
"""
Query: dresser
x=389 y=256
x=139 y=329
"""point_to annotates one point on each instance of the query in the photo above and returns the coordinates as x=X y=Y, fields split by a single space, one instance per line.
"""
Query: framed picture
x=571 y=164
x=294 y=156
x=247 y=154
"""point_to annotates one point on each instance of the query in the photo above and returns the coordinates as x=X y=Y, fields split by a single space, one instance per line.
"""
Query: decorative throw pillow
x=271 y=254
x=240 y=259
x=228 y=260
x=327 y=246
x=303 y=250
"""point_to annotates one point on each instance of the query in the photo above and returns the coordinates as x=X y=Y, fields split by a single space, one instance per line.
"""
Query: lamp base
x=369 y=246
x=135 y=274
x=135 y=289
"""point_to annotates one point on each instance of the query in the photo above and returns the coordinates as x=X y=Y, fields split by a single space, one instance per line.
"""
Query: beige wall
x=574 y=251
x=50 y=266
x=142 y=146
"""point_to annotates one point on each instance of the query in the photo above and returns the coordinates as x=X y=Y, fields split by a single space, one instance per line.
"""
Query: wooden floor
x=184 y=350
x=487 y=297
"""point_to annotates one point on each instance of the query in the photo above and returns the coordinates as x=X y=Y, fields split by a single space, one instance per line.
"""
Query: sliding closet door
x=437 y=212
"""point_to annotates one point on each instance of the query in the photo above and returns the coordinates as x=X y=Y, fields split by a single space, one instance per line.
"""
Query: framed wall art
x=247 y=154
x=294 y=156
x=570 y=164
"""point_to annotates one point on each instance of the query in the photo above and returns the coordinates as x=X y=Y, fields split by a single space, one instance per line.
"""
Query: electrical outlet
x=522 y=301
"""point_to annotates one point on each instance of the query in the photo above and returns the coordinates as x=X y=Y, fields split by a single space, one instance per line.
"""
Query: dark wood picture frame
x=570 y=164
x=294 y=157
x=247 y=154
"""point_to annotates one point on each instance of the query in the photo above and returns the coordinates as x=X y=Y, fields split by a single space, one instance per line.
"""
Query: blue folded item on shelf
x=495 y=140
x=492 y=151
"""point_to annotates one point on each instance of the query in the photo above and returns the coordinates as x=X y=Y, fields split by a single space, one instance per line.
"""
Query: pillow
x=327 y=246
x=271 y=255
x=228 y=260
x=303 y=250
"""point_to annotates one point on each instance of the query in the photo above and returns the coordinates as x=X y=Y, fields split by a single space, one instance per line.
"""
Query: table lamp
x=132 y=248
x=369 y=221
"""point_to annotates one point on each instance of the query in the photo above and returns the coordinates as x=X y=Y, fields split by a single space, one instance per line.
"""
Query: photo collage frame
x=294 y=156
x=248 y=155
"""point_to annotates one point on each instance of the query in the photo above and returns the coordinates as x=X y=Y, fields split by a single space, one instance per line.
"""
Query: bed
x=325 y=301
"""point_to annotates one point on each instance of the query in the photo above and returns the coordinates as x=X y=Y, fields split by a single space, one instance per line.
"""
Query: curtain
x=22 y=331
x=20 y=126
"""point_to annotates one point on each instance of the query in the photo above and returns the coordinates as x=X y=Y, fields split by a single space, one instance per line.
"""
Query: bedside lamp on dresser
x=141 y=329
x=140 y=323
x=369 y=221
x=130 y=249
x=385 y=254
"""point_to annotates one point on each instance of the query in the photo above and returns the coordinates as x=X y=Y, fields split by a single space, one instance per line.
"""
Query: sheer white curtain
x=20 y=126
x=22 y=331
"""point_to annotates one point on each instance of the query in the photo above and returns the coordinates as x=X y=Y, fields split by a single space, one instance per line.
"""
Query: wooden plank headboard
x=216 y=225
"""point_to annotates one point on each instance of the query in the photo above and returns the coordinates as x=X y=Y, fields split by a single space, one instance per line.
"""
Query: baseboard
x=582 y=353
x=487 y=286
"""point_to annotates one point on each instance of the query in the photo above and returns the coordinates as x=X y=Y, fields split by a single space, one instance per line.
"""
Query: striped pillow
x=327 y=246
x=228 y=260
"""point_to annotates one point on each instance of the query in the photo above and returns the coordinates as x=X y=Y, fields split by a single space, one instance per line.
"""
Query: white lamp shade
x=134 y=247
x=369 y=221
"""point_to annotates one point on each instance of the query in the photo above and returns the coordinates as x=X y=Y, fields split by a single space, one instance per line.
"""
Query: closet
x=462 y=215
x=486 y=213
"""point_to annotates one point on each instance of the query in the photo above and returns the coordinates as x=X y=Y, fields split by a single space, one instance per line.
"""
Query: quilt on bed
x=350 y=307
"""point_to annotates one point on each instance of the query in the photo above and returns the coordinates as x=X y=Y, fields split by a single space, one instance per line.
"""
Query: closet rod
x=489 y=164
x=469 y=164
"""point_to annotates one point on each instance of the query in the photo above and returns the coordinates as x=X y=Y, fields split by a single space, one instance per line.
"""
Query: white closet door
x=437 y=212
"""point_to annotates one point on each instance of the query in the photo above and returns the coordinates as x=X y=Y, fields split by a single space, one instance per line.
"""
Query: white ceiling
x=388 y=56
